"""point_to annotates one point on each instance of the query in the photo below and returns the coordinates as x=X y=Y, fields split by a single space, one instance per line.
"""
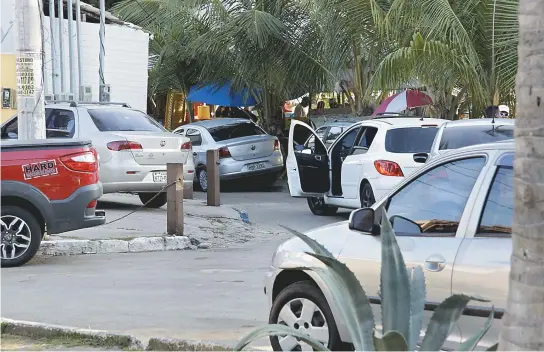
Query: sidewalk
x=145 y=229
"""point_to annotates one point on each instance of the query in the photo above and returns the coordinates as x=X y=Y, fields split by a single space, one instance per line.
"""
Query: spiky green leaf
x=395 y=287
x=472 y=342
x=417 y=305
x=444 y=319
x=276 y=330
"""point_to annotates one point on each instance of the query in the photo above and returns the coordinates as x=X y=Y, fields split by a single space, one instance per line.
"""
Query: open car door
x=307 y=162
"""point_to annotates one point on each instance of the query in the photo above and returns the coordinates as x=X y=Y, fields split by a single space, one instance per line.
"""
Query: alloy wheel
x=305 y=316
x=368 y=198
x=16 y=237
x=318 y=202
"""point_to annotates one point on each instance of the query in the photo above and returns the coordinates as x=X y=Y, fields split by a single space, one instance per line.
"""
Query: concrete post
x=61 y=44
x=71 y=56
x=30 y=96
x=212 y=168
x=174 y=199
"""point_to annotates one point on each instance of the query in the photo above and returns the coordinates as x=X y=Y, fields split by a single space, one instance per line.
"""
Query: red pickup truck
x=46 y=185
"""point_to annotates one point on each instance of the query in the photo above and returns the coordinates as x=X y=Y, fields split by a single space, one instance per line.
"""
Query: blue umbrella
x=222 y=95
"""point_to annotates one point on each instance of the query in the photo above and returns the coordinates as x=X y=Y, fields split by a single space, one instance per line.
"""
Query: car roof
x=479 y=122
x=406 y=121
x=343 y=123
x=506 y=145
x=211 y=123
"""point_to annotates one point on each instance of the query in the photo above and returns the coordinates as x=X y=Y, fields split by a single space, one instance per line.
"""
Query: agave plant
x=402 y=292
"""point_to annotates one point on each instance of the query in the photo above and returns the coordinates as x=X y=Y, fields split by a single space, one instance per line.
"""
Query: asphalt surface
x=212 y=295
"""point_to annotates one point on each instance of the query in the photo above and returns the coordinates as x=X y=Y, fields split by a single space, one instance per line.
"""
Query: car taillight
x=124 y=145
x=83 y=162
x=388 y=168
x=186 y=146
x=92 y=204
x=224 y=152
x=276 y=145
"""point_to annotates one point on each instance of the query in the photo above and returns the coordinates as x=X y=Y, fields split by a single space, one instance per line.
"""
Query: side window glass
x=194 y=136
x=60 y=123
x=306 y=142
x=433 y=203
x=10 y=130
x=367 y=137
x=334 y=132
x=498 y=210
x=346 y=143
x=310 y=143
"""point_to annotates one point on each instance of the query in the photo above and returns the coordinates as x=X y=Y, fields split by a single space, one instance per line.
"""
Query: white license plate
x=256 y=166
x=159 y=176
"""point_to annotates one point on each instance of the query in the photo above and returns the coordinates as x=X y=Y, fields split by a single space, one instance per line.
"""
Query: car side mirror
x=421 y=157
x=363 y=220
x=402 y=225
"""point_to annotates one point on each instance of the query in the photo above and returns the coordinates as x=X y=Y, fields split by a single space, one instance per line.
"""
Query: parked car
x=245 y=149
x=49 y=184
x=133 y=148
x=453 y=217
x=329 y=131
x=463 y=133
x=362 y=164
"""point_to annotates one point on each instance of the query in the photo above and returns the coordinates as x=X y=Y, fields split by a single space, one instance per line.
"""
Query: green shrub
x=402 y=294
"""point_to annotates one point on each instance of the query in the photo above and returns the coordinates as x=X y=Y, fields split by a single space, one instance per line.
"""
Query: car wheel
x=202 y=176
x=21 y=236
x=318 y=207
x=367 y=196
x=303 y=307
x=150 y=202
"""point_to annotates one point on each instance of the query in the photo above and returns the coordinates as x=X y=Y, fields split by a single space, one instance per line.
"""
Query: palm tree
x=465 y=45
x=523 y=323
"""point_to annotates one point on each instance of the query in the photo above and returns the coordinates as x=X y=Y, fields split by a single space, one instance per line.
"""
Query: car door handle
x=435 y=263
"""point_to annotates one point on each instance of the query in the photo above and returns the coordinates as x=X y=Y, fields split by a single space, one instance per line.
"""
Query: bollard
x=174 y=199
x=212 y=166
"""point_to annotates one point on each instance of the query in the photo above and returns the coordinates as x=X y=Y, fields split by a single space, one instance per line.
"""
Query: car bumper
x=72 y=213
x=233 y=169
x=269 y=284
x=382 y=185
x=142 y=179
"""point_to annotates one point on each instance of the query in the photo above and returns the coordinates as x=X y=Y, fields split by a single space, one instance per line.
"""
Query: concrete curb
x=158 y=344
x=102 y=338
x=91 y=337
x=139 y=244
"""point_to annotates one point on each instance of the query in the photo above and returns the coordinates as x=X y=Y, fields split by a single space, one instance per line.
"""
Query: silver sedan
x=245 y=149
x=453 y=217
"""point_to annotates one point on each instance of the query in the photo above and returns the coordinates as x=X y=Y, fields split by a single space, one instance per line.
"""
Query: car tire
x=318 y=207
x=157 y=202
x=202 y=179
x=28 y=226
x=366 y=196
x=293 y=298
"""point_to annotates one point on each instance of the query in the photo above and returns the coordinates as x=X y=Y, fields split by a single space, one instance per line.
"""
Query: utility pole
x=102 y=33
x=30 y=95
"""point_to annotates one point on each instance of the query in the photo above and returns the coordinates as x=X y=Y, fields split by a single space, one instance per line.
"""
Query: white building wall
x=126 y=59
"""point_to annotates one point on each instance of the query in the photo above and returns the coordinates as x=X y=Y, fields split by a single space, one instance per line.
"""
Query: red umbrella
x=410 y=98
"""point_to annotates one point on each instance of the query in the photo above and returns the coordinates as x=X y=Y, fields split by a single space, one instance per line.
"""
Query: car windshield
x=410 y=139
x=464 y=136
x=235 y=130
x=116 y=119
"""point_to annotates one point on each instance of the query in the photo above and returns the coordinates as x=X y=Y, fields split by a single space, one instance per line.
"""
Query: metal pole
x=78 y=39
x=102 y=53
x=61 y=44
x=42 y=31
x=53 y=50
x=30 y=105
x=71 y=57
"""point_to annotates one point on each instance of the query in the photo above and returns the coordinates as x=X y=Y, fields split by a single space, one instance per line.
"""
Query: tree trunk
x=523 y=322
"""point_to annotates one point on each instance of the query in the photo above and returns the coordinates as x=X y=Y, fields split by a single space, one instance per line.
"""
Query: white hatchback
x=363 y=164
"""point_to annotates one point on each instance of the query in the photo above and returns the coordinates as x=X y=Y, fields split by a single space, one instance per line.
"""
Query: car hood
x=292 y=253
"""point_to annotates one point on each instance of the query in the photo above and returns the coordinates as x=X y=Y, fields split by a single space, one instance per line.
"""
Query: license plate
x=257 y=166
x=159 y=176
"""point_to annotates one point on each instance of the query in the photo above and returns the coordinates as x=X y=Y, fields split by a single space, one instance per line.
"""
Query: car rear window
x=410 y=139
x=464 y=136
x=235 y=130
x=117 y=119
